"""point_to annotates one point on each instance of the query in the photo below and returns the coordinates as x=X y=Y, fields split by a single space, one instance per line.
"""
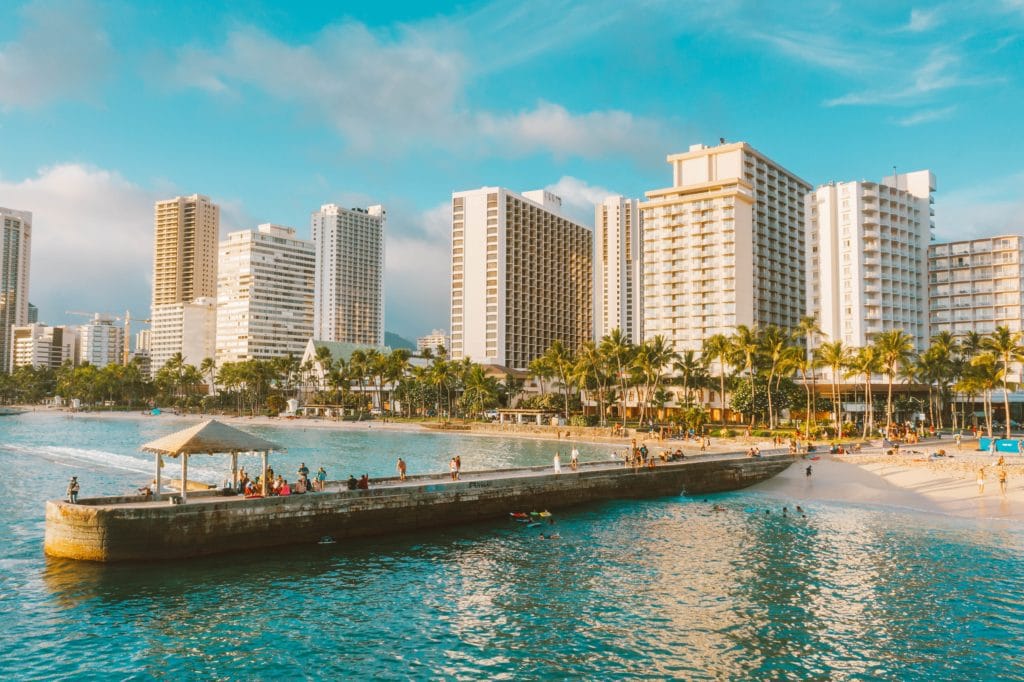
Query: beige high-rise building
x=100 y=342
x=618 y=268
x=867 y=248
x=264 y=295
x=15 y=251
x=723 y=246
x=976 y=285
x=521 y=276
x=184 y=272
x=186 y=328
x=433 y=340
x=349 y=292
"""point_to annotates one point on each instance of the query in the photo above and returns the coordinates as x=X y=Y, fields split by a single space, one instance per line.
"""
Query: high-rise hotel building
x=184 y=278
x=349 y=282
x=976 y=285
x=723 y=246
x=867 y=267
x=15 y=250
x=618 y=268
x=100 y=341
x=521 y=276
x=264 y=294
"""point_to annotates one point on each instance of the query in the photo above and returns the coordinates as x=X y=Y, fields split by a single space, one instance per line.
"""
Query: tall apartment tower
x=15 y=250
x=521 y=276
x=40 y=345
x=100 y=342
x=618 y=268
x=184 y=272
x=723 y=246
x=868 y=249
x=264 y=294
x=976 y=285
x=349 y=284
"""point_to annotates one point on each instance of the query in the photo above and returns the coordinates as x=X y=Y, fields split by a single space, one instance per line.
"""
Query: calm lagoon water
x=655 y=589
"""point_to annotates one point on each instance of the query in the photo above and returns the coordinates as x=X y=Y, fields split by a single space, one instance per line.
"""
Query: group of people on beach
x=1000 y=476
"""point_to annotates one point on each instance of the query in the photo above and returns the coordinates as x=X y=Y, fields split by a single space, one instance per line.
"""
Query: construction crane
x=109 y=316
x=126 y=354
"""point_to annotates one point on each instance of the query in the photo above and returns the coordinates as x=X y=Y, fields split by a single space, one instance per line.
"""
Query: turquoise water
x=654 y=589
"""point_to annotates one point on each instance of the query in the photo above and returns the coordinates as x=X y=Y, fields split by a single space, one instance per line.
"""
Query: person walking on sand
x=981 y=481
x=401 y=469
x=558 y=463
x=574 y=458
x=1002 y=481
x=73 y=490
x=956 y=439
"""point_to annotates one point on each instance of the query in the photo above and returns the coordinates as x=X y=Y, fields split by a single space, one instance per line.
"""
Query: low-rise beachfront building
x=101 y=342
x=867 y=246
x=40 y=345
x=618 y=268
x=186 y=328
x=976 y=285
x=521 y=277
x=432 y=341
x=264 y=294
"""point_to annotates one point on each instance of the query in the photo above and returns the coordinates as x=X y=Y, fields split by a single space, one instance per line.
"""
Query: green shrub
x=726 y=433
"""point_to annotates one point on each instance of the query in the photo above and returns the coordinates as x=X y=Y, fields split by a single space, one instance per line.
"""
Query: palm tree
x=619 y=353
x=894 y=348
x=480 y=391
x=987 y=372
x=591 y=371
x=651 y=360
x=809 y=330
x=323 y=361
x=834 y=355
x=864 y=364
x=560 y=360
x=1006 y=346
x=717 y=347
x=208 y=368
x=774 y=342
x=745 y=343
x=691 y=369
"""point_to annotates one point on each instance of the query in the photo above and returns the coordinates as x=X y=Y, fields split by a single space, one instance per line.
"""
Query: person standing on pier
x=574 y=458
x=458 y=467
x=454 y=469
x=321 y=479
x=73 y=490
x=303 y=471
x=558 y=463
x=401 y=469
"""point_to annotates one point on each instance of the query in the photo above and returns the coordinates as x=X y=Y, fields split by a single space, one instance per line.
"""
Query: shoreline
x=908 y=481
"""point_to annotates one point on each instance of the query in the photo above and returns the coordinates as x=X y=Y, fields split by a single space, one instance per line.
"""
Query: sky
x=274 y=108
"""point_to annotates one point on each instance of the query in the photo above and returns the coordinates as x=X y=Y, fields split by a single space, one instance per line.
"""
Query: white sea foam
x=101 y=459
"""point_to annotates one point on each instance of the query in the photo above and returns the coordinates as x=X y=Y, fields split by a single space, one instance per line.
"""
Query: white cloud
x=940 y=72
x=60 y=52
x=987 y=209
x=927 y=116
x=923 y=19
x=579 y=197
x=416 y=272
x=91 y=239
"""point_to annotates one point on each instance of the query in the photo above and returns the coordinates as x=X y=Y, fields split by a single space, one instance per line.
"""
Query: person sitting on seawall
x=364 y=482
x=352 y=483
x=300 y=486
x=284 y=489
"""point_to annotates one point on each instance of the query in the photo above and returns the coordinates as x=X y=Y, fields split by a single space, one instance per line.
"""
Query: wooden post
x=156 y=493
x=184 y=477
x=234 y=470
x=263 y=477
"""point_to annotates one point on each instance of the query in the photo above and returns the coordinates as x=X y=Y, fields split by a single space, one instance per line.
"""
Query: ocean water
x=655 y=589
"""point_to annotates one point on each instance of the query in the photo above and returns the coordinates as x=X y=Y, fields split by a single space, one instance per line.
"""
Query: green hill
x=394 y=341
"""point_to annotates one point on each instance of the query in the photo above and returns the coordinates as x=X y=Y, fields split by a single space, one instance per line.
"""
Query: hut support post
x=234 y=470
x=184 y=478
x=156 y=492
x=263 y=477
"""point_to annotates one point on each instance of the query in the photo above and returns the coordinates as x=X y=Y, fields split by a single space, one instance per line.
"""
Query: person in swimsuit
x=981 y=481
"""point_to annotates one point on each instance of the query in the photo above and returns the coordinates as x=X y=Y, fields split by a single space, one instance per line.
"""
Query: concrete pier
x=133 y=529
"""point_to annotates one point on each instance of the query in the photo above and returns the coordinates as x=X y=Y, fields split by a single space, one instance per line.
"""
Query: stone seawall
x=115 y=529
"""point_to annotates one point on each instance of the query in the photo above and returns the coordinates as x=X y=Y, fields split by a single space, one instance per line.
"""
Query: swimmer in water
x=785 y=511
x=717 y=508
x=800 y=509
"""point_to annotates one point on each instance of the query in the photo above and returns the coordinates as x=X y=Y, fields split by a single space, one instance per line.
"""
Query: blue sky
x=273 y=110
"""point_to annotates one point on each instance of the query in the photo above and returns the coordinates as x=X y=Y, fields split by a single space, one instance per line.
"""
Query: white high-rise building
x=264 y=294
x=143 y=341
x=521 y=277
x=100 y=342
x=432 y=340
x=976 y=285
x=186 y=328
x=867 y=267
x=349 y=289
x=15 y=250
x=41 y=345
x=723 y=246
x=184 y=278
x=618 y=268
